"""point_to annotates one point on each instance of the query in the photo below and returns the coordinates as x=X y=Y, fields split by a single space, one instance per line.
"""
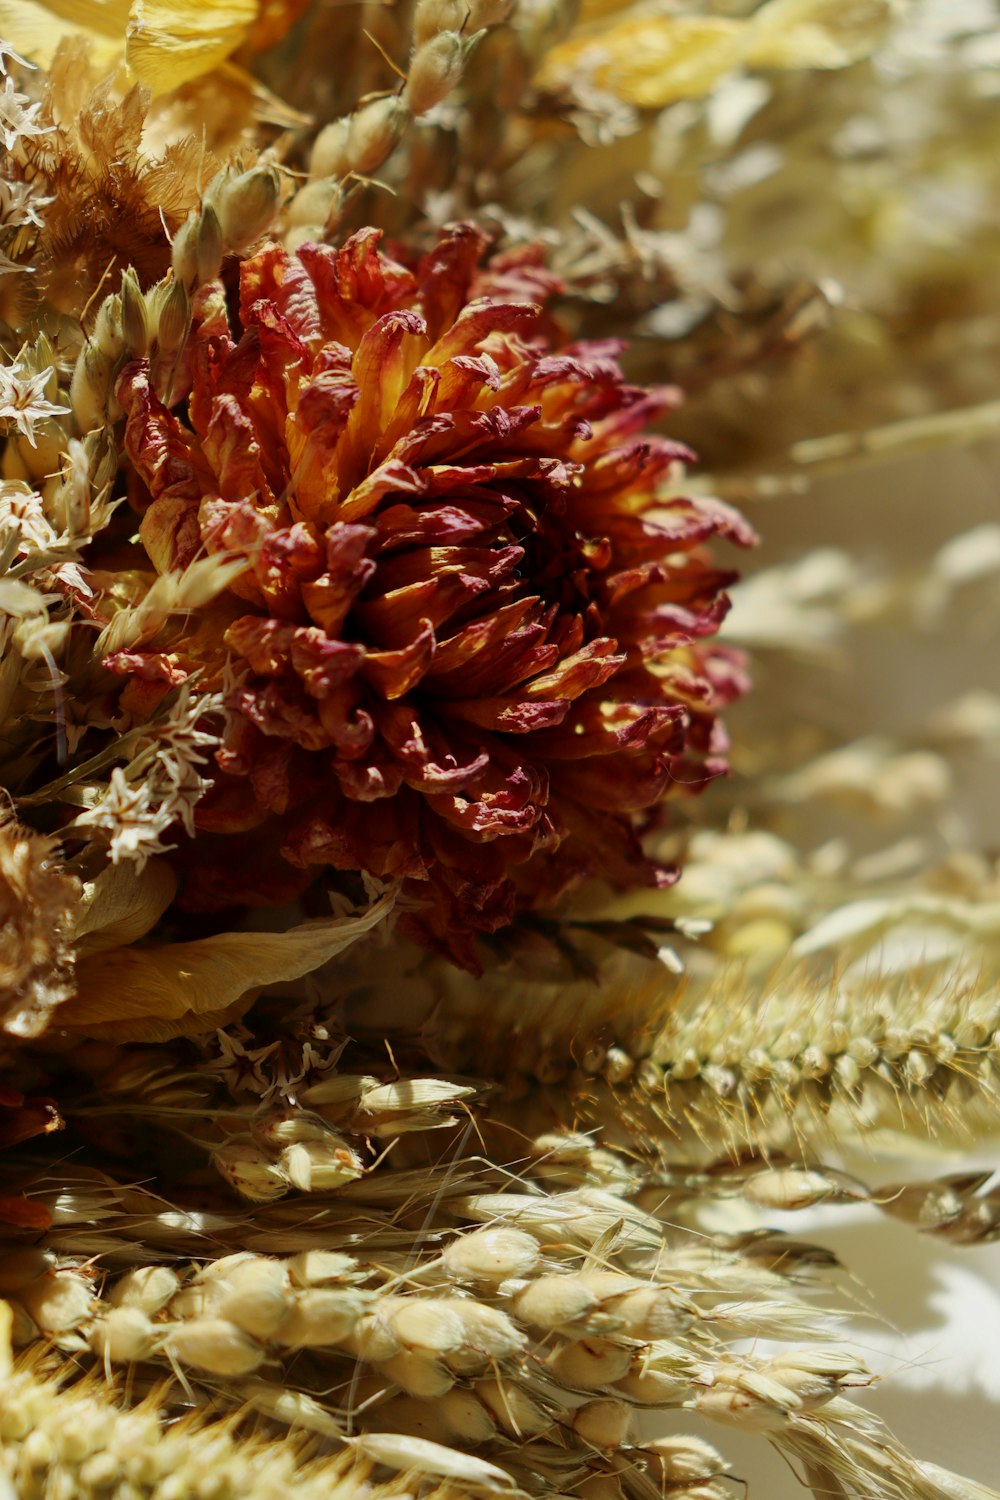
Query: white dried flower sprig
x=18 y=119
x=160 y=785
x=24 y=398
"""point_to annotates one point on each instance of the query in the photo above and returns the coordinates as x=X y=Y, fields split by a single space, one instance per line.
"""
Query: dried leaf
x=131 y=994
x=121 y=906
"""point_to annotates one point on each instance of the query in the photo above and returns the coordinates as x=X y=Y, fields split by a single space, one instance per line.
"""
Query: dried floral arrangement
x=380 y=1114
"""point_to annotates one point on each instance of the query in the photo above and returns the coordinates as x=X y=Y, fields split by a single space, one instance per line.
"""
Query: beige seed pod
x=417 y=1375
x=329 y=159
x=134 y=317
x=434 y=70
x=171 y=315
x=287 y=1127
x=789 y=1188
x=618 y=1066
x=216 y=1346
x=605 y=1424
x=432 y=1325
x=99 y=1472
x=650 y=1313
x=58 y=1302
x=372 y=1338
x=407 y=1416
x=590 y=1364
x=315 y=1267
x=246 y=205
x=373 y=132
x=316 y=1166
x=315 y=204
x=407 y=1094
x=124 y=1336
x=184 y=252
x=191 y=1302
x=553 y=1301
x=488 y=1336
x=291 y=1407
x=107 y=335
x=514 y=1411
x=321 y=1317
x=683 y=1460
x=148 y=1288
x=90 y=388
x=491 y=1255
x=248 y=1170
x=255 y=1297
x=208 y=245
x=468 y=1418
x=649 y=1384
x=223 y=1268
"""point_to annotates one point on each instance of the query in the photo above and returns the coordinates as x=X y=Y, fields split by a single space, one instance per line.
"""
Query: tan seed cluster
x=357 y=145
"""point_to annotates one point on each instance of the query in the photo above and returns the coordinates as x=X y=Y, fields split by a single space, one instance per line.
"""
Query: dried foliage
x=319 y=556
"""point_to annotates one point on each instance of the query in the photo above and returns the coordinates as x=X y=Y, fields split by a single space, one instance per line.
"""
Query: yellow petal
x=817 y=33
x=35 y=29
x=653 y=60
x=178 y=989
x=650 y=61
x=169 y=42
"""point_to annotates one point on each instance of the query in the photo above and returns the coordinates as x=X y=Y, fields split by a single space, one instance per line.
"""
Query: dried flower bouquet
x=380 y=1114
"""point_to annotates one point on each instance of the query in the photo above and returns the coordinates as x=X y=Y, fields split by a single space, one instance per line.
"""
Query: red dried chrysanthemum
x=471 y=631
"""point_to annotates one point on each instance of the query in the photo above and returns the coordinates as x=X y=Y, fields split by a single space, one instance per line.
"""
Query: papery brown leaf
x=179 y=989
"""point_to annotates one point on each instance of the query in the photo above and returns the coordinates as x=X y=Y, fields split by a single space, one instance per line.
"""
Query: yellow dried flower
x=162 y=43
x=650 y=59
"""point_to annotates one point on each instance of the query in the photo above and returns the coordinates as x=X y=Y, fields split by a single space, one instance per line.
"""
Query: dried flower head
x=471 y=626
